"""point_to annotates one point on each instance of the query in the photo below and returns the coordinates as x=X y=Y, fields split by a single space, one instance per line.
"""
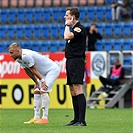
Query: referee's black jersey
x=76 y=46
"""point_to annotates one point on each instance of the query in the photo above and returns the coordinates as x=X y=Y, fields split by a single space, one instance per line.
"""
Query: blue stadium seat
x=29 y=15
x=91 y=14
x=0 y=14
x=45 y=31
x=20 y=15
x=127 y=63
x=45 y=45
x=131 y=41
x=37 y=31
x=10 y=31
x=61 y=30
x=20 y=32
x=117 y=30
x=127 y=44
x=35 y=46
x=28 y=31
x=2 y=47
x=99 y=13
x=117 y=45
x=101 y=28
x=83 y=12
x=109 y=1
x=2 y=32
x=99 y=45
x=22 y=44
x=37 y=15
x=54 y=46
x=46 y=14
x=132 y=12
x=6 y=45
x=127 y=29
x=55 y=14
x=11 y=15
x=54 y=29
x=4 y=16
x=26 y=45
x=62 y=13
x=108 y=45
x=108 y=30
x=62 y=45
x=86 y=25
x=108 y=15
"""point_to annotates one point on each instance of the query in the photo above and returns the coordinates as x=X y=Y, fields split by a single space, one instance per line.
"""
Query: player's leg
x=45 y=109
x=49 y=79
x=113 y=13
x=37 y=105
x=45 y=105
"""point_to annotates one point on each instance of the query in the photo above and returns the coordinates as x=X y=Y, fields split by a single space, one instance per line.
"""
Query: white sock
x=45 y=105
x=37 y=105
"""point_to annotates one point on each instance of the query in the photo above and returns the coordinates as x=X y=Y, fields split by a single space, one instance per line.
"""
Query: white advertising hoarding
x=98 y=64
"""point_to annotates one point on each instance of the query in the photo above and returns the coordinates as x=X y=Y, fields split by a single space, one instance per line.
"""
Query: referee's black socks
x=76 y=108
x=82 y=107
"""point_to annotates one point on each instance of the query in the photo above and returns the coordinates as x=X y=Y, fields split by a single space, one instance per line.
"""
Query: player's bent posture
x=43 y=71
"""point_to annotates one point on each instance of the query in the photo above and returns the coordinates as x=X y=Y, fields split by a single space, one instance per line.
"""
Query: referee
x=75 y=37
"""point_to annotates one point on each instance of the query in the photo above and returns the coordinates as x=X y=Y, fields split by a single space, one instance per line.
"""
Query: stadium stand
x=3 y=16
x=43 y=21
x=30 y=3
x=39 y=3
x=99 y=45
x=91 y=2
x=21 y=3
x=109 y=1
x=82 y=2
x=5 y=3
x=2 y=32
x=100 y=2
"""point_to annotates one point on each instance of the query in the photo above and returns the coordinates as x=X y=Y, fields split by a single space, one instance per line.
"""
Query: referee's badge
x=77 y=29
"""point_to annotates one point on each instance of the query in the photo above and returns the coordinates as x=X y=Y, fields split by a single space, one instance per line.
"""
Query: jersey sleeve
x=77 y=31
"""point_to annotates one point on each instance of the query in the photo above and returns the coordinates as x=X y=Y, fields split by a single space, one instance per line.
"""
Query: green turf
x=98 y=121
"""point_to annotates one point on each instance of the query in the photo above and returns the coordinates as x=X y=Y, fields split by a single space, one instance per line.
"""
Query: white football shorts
x=50 y=78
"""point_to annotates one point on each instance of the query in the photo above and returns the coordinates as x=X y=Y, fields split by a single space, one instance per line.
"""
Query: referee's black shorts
x=75 y=70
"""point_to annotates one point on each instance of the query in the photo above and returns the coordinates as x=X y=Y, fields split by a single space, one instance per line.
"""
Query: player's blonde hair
x=14 y=45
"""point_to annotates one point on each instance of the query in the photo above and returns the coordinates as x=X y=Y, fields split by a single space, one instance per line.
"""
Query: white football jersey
x=42 y=63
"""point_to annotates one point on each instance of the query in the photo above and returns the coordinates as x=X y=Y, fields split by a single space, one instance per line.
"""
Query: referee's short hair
x=74 y=11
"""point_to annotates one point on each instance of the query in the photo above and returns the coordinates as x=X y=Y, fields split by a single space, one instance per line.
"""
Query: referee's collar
x=78 y=23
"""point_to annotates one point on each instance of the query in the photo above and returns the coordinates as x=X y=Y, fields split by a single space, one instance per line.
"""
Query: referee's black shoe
x=71 y=123
x=80 y=124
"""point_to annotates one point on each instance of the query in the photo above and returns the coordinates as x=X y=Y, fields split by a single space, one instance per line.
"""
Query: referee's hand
x=69 y=21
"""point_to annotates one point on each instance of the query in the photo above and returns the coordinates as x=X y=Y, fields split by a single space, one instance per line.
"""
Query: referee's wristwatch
x=67 y=25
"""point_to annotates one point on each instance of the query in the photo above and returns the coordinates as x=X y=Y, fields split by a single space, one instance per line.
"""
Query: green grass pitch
x=98 y=121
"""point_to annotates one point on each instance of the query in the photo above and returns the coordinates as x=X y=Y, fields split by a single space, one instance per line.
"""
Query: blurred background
x=39 y=24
